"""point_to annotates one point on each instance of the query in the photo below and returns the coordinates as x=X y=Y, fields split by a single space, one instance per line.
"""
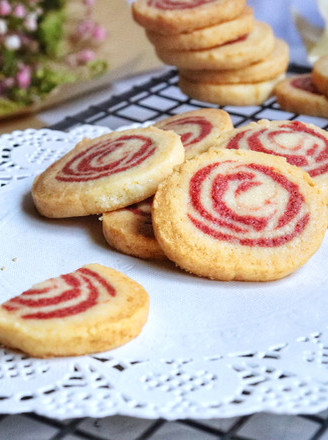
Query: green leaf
x=50 y=32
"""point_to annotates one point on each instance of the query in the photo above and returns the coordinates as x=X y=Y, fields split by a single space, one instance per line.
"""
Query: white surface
x=188 y=367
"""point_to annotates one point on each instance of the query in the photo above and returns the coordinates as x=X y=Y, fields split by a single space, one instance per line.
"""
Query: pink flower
x=31 y=22
x=23 y=77
x=89 y=3
x=85 y=56
x=99 y=33
x=85 y=28
x=5 y=8
x=20 y=11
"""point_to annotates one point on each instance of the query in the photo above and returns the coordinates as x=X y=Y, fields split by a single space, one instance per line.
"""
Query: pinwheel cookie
x=107 y=173
x=90 y=310
x=173 y=17
x=229 y=94
x=301 y=144
x=298 y=94
x=239 y=53
x=269 y=68
x=130 y=230
x=239 y=215
x=206 y=37
x=199 y=129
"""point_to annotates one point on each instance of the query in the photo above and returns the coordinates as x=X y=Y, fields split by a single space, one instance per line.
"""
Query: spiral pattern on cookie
x=298 y=144
x=62 y=297
x=142 y=208
x=191 y=129
x=305 y=83
x=248 y=204
x=106 y=158
x=178 y=4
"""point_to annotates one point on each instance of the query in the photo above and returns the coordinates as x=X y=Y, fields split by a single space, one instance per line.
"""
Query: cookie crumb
x=14 y=259
x=3 y=268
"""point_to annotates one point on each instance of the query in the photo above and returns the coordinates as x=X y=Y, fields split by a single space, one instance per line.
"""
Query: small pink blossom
x=85 y=28
x=99 y=33
x=31 y=22
x=85 y=56
x=23 y=77
x=9 y=82
x=19 y=11
x=89 y=3
x=5 y=8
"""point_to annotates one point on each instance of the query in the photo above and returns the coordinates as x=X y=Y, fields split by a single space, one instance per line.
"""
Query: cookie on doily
x=107 y=173
x=301 y=144
x=130 y=230
x=199 y=129
x=239 y=215
x=90 y=310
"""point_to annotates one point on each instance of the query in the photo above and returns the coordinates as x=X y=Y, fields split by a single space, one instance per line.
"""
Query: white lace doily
x=209 y=349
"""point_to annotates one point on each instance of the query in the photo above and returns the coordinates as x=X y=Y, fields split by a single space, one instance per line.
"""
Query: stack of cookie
x=223 y=54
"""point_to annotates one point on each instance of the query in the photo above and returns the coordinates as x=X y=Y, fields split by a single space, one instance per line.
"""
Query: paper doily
x=209 y=349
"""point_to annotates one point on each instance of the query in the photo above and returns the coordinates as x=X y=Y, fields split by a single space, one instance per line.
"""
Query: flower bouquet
x=45 y=44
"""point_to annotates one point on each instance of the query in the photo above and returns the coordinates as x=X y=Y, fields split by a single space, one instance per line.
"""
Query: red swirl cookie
x=90 y=310
x=236 y=54
x=107 y=173
x=269 y=68
x=239 y=215
x=176 y=16
x=130 y=230
x=198 y=129
x=301 y=144
x=206 y=37
x=298 y=94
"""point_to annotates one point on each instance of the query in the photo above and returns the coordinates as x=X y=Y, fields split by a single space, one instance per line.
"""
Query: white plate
x=209 y=349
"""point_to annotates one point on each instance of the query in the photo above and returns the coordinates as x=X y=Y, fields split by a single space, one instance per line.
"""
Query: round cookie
x=239 y=215
x=298 y=94
x=207 y=37
x=320 y=75
x=107 y=173
x=90 y=310
x=229 y=94
x=236 y=54
x=176 y=16
x=301 y=144
x=198 y=129
x=130 y=230
x=269 y=68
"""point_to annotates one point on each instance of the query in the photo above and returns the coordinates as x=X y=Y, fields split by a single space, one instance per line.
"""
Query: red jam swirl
x=200 y=128
x=178 y=4
x=102 y=158
x=305 y=83
x=303 y=146
x=212 y=213
x=62 y=297
x=142 y=208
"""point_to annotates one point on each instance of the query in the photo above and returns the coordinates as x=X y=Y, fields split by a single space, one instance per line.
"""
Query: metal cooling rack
x=158 y=98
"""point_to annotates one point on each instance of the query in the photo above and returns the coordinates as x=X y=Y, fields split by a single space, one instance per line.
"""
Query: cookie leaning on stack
x=219 y=54
x=129 y=230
